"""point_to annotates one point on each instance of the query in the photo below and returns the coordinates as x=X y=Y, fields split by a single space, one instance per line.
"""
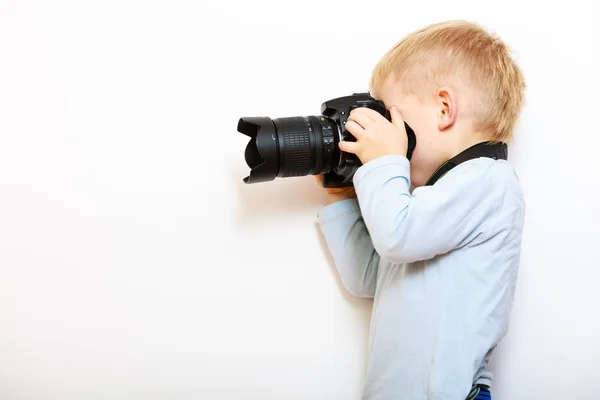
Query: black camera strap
x=483 y=149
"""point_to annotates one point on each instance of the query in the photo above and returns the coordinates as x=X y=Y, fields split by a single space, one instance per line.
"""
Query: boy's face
x=422 y=115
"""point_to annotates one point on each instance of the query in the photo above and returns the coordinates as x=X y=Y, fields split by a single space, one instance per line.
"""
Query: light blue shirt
x=441 y=263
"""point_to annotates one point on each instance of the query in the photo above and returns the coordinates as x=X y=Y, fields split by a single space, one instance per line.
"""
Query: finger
x=397 y=118
x=350 y=147
x=362 y=119
x=354 y=128
x=372 y=114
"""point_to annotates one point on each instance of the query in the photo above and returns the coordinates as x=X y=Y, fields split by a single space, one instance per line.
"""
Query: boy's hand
x=375 y=136
x=337 y=194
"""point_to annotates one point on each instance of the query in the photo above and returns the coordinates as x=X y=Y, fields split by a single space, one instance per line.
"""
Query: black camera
x=300 y=146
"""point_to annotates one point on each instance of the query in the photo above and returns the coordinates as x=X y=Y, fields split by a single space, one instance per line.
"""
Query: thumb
x=397 y=118
x=349 y=147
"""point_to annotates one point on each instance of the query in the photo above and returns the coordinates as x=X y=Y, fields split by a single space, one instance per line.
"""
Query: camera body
x=309 y=145
x=338 y=110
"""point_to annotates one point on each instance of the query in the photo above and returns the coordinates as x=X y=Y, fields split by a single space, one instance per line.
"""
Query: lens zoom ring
x=318 y=145
x=295 y=160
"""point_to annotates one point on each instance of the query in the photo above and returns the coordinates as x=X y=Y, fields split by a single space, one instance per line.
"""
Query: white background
x=135 y=264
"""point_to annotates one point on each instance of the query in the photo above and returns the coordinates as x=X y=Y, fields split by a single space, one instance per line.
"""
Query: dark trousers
x=480 y=392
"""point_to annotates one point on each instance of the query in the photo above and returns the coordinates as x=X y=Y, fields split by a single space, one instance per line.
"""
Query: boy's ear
x=448 y=107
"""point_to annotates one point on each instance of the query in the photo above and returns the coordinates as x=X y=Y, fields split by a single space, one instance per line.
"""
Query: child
x=440 y=259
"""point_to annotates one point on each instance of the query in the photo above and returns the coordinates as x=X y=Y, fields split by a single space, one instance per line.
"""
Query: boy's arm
x=350 y=245
x=433 y=220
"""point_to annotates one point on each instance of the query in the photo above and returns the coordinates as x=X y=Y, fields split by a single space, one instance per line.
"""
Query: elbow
x=359 y=289
x=395 y=251
x=359 y=286
x=391 y=239
x=361 y=282
x=392 y=256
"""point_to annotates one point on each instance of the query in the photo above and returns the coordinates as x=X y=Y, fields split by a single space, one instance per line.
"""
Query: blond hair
x=460 y=52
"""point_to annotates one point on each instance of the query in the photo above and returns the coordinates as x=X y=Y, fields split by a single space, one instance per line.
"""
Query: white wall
x=134 y=264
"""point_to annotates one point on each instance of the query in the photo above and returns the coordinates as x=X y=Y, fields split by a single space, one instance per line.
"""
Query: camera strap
x=497 y=151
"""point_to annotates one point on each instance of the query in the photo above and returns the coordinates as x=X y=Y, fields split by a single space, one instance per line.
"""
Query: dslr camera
x=308 y=145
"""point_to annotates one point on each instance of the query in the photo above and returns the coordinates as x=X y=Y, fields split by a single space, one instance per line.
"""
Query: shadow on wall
x=289 y=198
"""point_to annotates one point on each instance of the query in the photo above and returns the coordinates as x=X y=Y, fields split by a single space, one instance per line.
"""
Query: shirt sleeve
x=350 y=245
x=433 y=220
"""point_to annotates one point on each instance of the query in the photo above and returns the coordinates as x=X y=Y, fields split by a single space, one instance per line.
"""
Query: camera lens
x=289 y=147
